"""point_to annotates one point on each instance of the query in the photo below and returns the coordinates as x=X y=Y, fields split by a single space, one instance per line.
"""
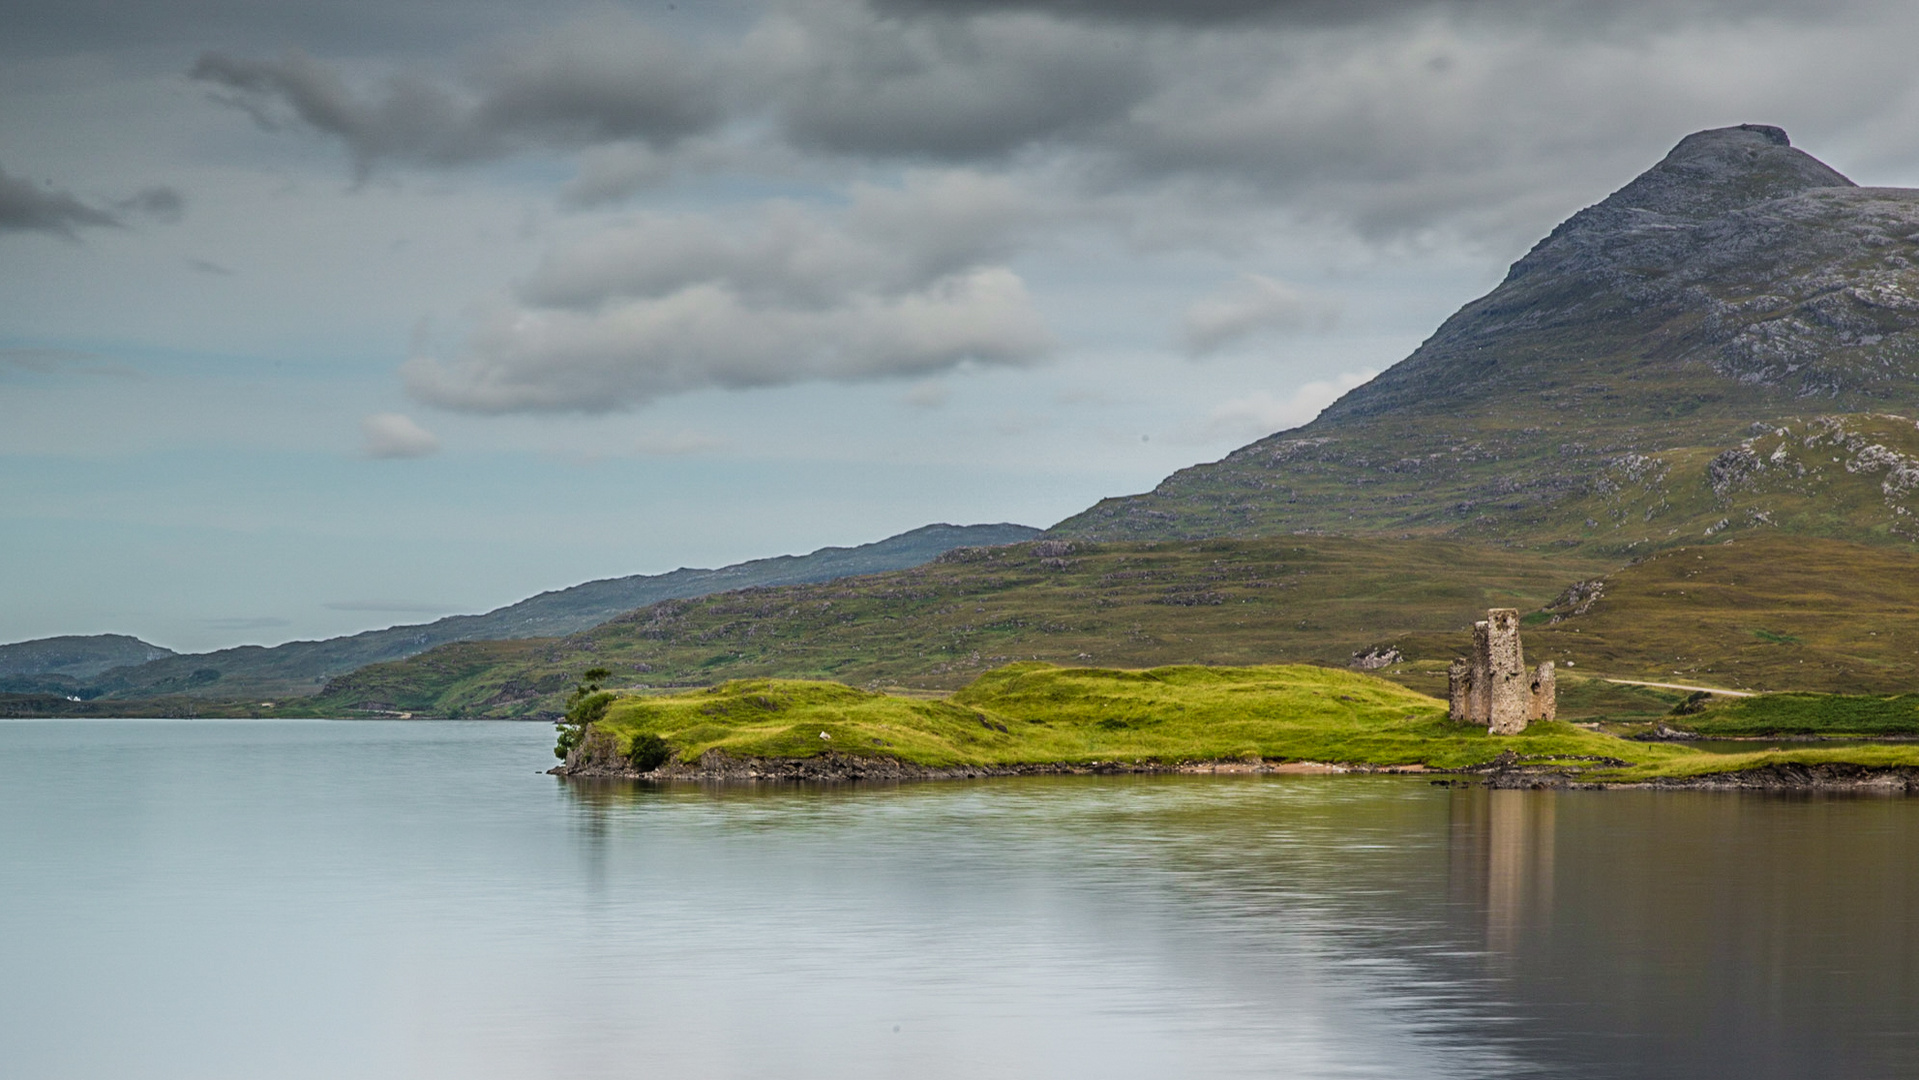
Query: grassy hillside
x=1310 y=599
x=1765 y=612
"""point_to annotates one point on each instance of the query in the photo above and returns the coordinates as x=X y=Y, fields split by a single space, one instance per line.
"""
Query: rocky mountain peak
x=1707 y=176
x=1722 y=169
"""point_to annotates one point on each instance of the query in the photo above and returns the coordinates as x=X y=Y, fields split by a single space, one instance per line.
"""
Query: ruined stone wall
x=1459 y=691
x=1545 y=692
x=1481 y=700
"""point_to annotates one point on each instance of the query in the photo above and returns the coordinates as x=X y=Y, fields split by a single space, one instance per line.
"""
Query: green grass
x=1083 y=715
x=1809 y=714
x=1035 y=713
x=1766 y=612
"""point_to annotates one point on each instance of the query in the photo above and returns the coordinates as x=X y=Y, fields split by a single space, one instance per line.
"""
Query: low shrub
x=648 y=752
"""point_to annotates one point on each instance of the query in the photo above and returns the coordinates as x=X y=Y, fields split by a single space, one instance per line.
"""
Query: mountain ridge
x=302 y=667
x=75 y=656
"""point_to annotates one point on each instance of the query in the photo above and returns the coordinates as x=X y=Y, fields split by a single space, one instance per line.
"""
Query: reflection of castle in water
x=1502 y=858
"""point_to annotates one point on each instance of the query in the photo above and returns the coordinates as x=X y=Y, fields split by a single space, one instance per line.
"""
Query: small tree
x=584 y=705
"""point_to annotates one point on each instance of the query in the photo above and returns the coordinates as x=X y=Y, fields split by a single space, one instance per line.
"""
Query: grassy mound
x=1039 y=713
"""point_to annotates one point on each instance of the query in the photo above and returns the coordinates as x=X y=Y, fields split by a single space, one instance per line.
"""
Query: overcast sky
x=319 y=317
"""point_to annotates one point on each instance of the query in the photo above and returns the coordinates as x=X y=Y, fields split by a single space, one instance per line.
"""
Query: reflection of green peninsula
x=1036 y=717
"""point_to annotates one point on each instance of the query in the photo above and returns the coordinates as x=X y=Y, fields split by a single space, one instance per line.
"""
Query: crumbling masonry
x=1495 y=688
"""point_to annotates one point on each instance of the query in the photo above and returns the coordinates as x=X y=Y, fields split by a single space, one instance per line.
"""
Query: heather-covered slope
x=1737 y=287
x=1128 y=605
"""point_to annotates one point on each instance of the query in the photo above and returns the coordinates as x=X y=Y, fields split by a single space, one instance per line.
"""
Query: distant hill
x=71 y=659
x=1767 y=611
x=301 y=667
x=1729 y=342
x=1304 y=599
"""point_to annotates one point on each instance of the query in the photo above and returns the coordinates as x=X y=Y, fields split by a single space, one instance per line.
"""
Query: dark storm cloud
x=831 y=78
x=26 y=206
x=407 y=118
x=1376 y=95
x=1192 y=11
x=847 y=83
x=1324 y=13
x=46 y=27
x=601 y=79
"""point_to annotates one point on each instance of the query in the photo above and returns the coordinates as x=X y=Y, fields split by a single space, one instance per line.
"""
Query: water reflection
x=1501 y=859
x=415 y=900
x=1439 y=932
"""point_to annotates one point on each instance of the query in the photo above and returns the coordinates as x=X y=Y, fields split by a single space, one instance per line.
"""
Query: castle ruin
x=1494 y=688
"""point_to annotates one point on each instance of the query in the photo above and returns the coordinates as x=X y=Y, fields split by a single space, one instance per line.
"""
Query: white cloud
x=1259 y=413
x=903 y=282
x=395 y=435
x=1255 y=306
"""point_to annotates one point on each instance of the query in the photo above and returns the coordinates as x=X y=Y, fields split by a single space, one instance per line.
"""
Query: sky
x=317 y=317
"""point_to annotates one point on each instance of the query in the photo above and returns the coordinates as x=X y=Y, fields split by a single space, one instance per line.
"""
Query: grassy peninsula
x=1036 y=714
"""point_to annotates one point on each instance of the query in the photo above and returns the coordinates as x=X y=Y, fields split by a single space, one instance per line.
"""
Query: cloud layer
x=603 y=78
x=998 y=127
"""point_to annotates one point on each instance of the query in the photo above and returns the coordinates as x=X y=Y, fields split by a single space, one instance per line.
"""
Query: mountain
x=63 y=663
x=302 y=667
x=1729 y=342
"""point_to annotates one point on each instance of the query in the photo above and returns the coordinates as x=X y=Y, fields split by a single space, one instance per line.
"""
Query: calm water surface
x=311 y=899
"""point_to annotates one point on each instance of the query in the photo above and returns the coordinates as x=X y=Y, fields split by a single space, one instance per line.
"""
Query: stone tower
x=1495 y=688
x=1511 y=692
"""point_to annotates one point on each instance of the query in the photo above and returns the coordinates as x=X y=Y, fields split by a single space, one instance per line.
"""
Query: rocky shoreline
x=594 y=762
x=1790 y=776
x=596 y=758
x=842 y=768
